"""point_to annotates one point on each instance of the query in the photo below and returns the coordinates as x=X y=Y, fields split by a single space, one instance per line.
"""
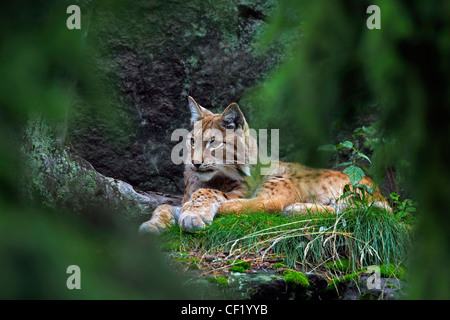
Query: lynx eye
x=213 y=143
x=192 y=141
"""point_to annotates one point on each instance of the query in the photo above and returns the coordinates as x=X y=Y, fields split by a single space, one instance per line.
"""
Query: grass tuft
x=351 y=240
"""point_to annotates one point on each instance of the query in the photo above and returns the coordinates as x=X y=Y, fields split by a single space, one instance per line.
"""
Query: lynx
x=219 y=187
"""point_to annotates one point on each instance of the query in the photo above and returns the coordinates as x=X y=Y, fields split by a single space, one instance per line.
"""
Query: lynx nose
x=196 y=165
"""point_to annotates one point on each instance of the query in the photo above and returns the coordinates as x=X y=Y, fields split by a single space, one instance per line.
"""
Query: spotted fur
x=213 y=188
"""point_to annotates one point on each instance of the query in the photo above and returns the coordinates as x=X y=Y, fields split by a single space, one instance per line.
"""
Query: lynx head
x=219 y=144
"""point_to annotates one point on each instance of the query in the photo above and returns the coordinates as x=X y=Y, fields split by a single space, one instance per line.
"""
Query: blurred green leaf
x=346 y=144
x=362 y=155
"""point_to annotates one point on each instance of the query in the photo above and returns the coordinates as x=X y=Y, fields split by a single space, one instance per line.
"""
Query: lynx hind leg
x=163 y=216
x=306 y=208
x=383 y=205
x=343 y=205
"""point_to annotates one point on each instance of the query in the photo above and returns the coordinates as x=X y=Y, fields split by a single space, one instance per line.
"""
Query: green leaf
x=346 y=144
x=370 y=130
x=362 y=167
x=364 y=188
x=344 y=164
x=362 y=155
x=394 y=196
x=354 y=173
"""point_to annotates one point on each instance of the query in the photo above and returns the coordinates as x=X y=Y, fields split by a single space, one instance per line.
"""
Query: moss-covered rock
x=279 y=265
x=220 y=281
x=55 y=176
x=296 y=278
x=337 y=282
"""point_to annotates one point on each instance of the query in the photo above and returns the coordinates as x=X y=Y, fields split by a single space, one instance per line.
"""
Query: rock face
x=56 y=177
x=152 y=55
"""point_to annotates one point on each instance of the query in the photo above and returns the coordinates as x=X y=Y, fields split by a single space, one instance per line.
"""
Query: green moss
x=240 y=263
x=297 y=278
x=238 y=269
x=392 y=286
x=334 y=283
x=187 y=260
x=221 y=281
x=392 y=271
x=340 y=265
x=90 y=184
x=279 y=265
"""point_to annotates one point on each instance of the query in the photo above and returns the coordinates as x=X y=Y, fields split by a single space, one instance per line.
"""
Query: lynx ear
x=232 y=117
x=197 y=111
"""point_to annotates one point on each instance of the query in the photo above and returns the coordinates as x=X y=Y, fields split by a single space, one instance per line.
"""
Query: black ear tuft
x=232 y=117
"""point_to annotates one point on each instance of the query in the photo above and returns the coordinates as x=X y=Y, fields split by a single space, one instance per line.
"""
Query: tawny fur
x=212 y=188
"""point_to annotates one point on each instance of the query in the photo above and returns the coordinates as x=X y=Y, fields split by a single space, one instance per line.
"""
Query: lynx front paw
x=149 y=227
x=154 y=226
x=162 y=217
x=191 y=222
